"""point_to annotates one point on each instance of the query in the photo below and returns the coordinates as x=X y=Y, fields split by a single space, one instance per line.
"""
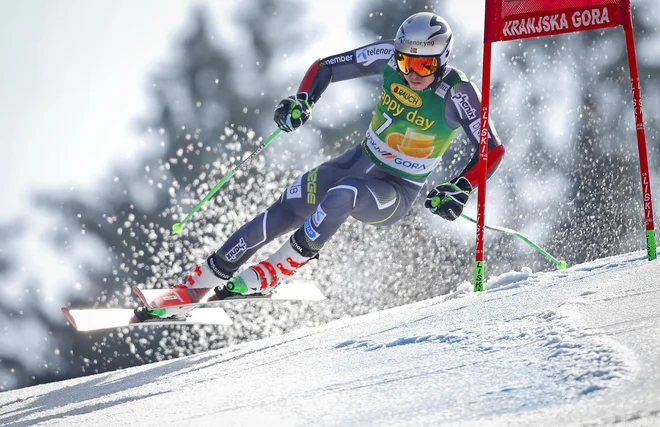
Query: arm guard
x=466 y=99
x=364 y=61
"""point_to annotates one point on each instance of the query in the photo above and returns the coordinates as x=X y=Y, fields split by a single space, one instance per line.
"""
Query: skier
x=422 y=105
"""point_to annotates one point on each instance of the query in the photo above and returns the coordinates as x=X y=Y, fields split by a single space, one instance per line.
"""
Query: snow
x=571 y=347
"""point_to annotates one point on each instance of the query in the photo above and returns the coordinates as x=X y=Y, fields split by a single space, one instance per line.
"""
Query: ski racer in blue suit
x=423 y=103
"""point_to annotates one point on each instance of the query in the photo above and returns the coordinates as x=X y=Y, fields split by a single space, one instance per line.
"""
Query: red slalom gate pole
x=639 y=124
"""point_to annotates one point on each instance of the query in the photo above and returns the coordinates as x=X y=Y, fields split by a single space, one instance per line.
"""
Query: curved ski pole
x=560 y=264
x=178 y=227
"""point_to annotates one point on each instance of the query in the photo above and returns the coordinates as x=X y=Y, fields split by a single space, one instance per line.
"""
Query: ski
x=95 y=319
x=182 y=307
x=205 y=297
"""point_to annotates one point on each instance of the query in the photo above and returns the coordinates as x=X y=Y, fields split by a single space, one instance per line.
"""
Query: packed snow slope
x=572 y=347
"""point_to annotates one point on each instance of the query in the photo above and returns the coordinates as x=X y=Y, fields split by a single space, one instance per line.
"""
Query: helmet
x=425 y=34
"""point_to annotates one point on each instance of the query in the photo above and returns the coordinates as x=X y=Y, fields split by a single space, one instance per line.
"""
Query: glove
x=448 y=199
x=293 y=112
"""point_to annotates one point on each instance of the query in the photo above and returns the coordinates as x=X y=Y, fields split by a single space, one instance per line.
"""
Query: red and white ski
x=183 y=298
x=182 y=307
x=94 y=319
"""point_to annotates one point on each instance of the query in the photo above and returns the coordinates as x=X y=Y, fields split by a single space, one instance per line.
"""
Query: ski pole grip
x=435 y=202
x=296 y=113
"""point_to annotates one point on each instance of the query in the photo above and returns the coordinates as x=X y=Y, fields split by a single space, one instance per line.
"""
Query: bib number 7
x=381 y=128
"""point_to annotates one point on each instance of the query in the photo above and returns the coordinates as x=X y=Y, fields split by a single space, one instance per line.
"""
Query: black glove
x=293 y=112
x=448 y=199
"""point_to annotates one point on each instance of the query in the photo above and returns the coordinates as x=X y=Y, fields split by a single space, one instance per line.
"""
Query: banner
x=519 y=19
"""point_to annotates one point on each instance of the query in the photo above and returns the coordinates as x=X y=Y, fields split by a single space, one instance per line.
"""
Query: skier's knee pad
x=342 y=197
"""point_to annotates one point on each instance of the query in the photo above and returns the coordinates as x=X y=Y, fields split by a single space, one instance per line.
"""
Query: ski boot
x=261 y=279
x=206 y=275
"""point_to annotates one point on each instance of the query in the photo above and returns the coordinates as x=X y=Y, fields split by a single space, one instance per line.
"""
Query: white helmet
x=425 y=34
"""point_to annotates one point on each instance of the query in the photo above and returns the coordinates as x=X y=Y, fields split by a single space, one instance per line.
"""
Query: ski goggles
x=422 y=65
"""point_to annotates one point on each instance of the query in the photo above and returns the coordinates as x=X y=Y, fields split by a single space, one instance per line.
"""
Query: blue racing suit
x=377 y=180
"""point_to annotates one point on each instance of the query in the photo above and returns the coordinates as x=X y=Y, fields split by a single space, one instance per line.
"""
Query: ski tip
x=140 y=295
x=69 y=317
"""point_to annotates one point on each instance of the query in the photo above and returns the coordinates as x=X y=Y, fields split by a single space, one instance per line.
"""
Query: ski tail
x=70 y=318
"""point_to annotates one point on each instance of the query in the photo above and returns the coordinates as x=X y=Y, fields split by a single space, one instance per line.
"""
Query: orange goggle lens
x=422 y=65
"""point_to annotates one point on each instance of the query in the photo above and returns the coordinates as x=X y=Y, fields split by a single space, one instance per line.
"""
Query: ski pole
x=178 y=227
x=561 y=264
